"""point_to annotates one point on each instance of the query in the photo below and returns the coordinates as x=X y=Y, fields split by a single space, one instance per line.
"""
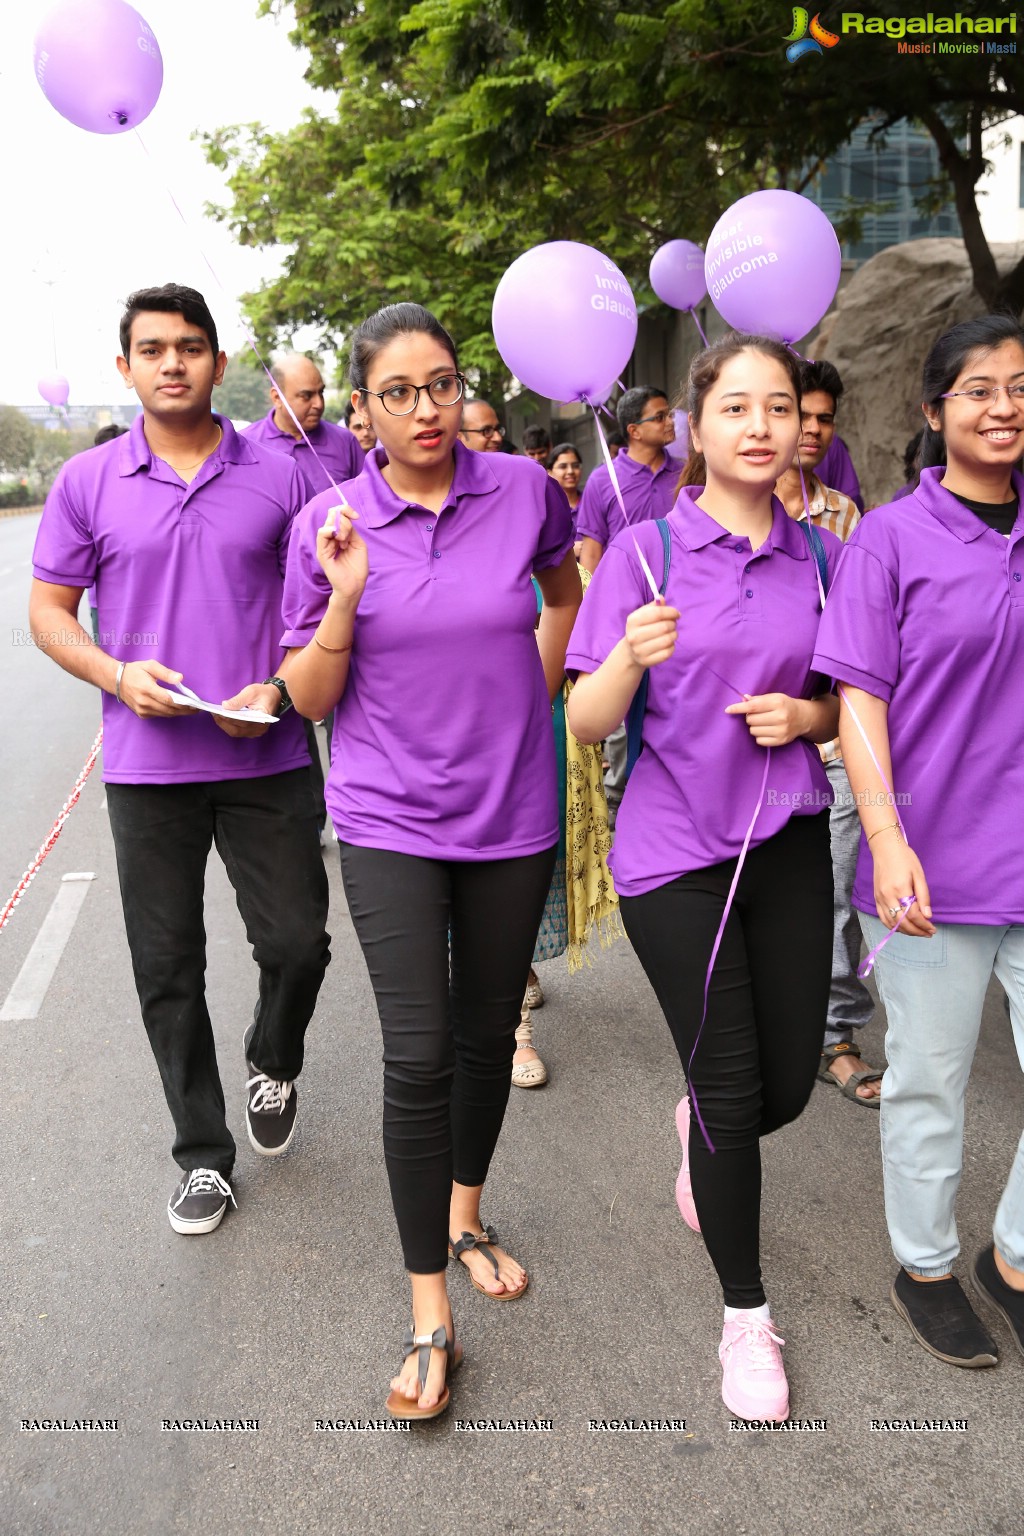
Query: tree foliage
x=245 y=392
x=467 y=130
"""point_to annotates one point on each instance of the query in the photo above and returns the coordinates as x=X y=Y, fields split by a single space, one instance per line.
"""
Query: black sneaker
x=943 y=1321
x=199 y=1201
x=991 y=1287
x=270 y=1108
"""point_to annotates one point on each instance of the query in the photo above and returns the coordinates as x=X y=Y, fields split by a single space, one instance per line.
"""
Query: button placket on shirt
x=749 y=599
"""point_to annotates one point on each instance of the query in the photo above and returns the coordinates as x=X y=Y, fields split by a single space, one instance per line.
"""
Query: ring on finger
x=894 y=911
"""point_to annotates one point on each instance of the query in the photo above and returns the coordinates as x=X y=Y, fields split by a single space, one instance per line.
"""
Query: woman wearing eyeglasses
x=411 y=612
x=925 y=628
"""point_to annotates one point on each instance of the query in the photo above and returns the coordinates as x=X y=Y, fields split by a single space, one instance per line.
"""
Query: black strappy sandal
x=482 y=1240
x=401 y=1407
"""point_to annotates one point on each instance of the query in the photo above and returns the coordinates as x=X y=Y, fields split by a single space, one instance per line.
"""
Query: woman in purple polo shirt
x=411 y=613
x=926 y=630
x=730 y=659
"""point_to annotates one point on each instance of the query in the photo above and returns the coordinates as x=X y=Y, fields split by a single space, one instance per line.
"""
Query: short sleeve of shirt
x=294 y=500
x=616 y=589
x=306 y=588
x=555 y=539
x=858 y=637
x=592 y=513
x=65 y=552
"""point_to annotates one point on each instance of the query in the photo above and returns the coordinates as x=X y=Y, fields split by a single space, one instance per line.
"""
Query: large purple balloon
x=54 y=389
x=677 y=274
x=99 y=64
x=564 y=321
x=773 y=264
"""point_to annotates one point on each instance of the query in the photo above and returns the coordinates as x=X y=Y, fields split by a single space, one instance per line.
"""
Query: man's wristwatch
x=282 y=688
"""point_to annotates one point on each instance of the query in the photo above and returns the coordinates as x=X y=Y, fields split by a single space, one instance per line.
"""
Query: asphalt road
x=292 y=1311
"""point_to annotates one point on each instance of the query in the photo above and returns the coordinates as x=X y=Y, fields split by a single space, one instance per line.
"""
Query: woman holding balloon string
x=931 y=688
x=728 y=655
x=410 y=611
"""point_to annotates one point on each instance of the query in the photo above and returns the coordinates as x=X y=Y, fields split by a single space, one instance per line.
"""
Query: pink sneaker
x=754 y=1384
x=684 y=1192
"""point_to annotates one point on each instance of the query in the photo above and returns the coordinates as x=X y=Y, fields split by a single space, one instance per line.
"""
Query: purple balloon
x=99 y=64
x=564 y=321
x=773 y=264
x=54 y=389
x=677 y=274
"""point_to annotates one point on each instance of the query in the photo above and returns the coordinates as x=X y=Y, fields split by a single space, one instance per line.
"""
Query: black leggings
x=755 y=1066
x=448 y=1024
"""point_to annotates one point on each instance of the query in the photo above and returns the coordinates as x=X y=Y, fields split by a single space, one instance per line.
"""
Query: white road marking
x=26 y=996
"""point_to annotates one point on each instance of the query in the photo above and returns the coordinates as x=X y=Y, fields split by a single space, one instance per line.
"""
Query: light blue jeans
x=850 y=1004
x=933 y=991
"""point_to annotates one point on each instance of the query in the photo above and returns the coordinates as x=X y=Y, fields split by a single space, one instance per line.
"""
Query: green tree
x=17 y=440
x=467 y=130
x=245 y=392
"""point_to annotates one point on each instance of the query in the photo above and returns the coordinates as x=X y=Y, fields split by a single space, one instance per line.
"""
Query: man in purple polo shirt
x=183 y=526
x=647 y=474
x=297 y=400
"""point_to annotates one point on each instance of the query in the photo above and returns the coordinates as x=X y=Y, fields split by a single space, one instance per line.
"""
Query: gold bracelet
x=335 y=650
x=893 y=827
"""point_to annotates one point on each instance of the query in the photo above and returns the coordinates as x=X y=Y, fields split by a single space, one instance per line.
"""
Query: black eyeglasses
x=402 y=399
x=659 y=417
x=494 y=431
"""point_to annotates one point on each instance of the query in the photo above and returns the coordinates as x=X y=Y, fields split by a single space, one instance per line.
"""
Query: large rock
x=885 y=320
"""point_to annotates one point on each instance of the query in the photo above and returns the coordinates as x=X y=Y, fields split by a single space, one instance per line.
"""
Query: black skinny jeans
x=265 y=831
x=448 y=1021
x=755 y=1065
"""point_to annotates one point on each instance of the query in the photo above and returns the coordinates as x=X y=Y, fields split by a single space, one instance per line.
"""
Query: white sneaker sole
x=196 y=1228
x=269 y=1151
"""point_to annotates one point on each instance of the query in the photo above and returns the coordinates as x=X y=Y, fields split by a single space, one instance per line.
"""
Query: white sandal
x=527 y=1074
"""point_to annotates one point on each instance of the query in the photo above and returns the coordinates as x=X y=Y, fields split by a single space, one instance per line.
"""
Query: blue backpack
x=638 y=707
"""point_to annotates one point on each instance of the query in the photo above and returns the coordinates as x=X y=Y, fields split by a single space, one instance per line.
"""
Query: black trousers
x=265 y=831
x=448 y=1017
x=755 y=1065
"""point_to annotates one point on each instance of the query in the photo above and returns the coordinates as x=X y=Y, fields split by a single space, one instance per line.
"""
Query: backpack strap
x=817 y=544
x=638 y=705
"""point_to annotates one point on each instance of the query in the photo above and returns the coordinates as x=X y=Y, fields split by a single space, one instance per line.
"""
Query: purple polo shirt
x=442 y=740
x=338 y=456
x=927 y=612
x=191 y=575
x=646 y=494
x=836 y=470
x=748 y=625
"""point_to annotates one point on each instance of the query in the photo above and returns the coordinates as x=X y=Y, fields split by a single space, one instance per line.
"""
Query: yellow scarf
x=591 y=898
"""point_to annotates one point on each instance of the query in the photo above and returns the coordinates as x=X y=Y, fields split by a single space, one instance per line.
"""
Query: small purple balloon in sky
x=54 y=389
x=99 y=64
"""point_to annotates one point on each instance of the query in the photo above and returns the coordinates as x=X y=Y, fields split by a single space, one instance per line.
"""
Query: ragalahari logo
x=799 y=41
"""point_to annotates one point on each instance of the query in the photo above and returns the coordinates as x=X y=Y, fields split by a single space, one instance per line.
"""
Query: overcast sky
x=94 y=211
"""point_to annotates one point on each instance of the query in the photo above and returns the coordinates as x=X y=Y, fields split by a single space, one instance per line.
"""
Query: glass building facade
x=890 y=176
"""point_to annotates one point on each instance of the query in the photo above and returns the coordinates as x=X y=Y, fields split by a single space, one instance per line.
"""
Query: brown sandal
x=855 y=1079
x=482 y=1240
x=401 y=1407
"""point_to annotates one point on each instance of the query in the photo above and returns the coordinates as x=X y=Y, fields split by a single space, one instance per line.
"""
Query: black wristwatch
x=286 y=698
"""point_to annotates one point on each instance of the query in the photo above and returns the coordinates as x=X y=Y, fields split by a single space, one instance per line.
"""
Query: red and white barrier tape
x=54 y=833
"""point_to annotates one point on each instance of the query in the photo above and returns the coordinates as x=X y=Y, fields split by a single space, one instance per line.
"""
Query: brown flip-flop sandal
x=401 y=1407
x=853 y=1082
x=481 y=1240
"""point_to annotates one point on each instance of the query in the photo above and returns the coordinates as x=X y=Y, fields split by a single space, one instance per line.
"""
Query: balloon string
x=245 y=329
x=696 y=321
x=807 y=515
x=609 y=461
x=718 y=941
